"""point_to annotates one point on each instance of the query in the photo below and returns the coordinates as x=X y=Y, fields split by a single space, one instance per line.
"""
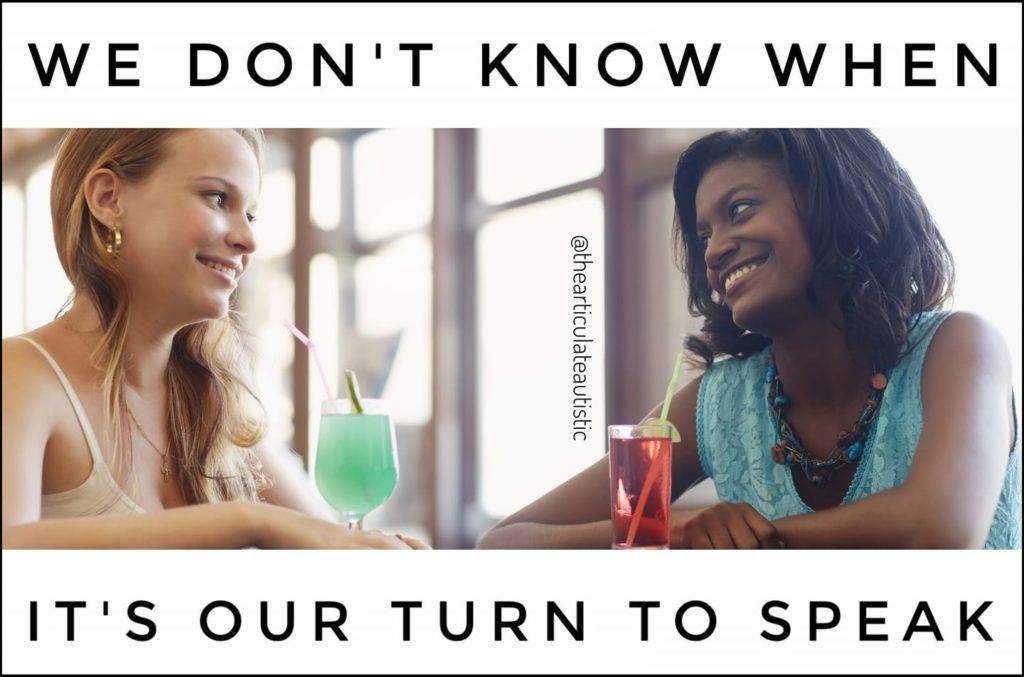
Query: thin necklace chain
x=165 y=465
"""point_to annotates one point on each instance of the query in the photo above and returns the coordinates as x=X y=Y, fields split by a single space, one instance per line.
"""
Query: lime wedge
x=676 y=437
x=353 y=391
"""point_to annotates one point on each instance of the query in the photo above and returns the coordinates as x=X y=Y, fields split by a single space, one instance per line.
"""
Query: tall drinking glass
x=356 y=468
x=640 y=470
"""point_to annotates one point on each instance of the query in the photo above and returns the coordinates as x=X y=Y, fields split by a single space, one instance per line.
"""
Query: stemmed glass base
x=355 y=524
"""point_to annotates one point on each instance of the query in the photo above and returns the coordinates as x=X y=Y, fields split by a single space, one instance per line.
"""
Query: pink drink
x=635 y=462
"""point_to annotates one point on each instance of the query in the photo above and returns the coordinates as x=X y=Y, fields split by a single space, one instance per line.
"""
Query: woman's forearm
x=214 y=525
x=888 y=519
x=542 y=536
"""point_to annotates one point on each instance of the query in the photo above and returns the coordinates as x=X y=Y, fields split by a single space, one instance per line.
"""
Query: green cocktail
x=356 y=468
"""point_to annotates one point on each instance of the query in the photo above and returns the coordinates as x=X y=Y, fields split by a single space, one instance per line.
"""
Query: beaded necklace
x=849 y=447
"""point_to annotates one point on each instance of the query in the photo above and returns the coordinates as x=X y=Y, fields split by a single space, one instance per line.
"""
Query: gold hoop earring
x=113 y=243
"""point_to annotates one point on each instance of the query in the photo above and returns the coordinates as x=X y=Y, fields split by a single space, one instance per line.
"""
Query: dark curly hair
x=867 y=225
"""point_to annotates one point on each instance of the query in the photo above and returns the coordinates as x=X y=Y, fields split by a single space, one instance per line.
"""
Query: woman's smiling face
x=188 y=225
x=756 y=248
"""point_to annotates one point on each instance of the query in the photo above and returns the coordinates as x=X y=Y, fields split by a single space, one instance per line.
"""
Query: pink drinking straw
x=652 y=471
x=308 y=342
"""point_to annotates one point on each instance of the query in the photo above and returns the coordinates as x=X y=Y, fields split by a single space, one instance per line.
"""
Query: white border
x=742 y=90
x=742 y=94
x=735 y=585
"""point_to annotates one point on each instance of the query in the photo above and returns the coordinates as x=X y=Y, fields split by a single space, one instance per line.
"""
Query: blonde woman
x=127 y=421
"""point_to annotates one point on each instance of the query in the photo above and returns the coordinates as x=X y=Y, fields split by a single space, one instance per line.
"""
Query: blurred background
x=437 y=264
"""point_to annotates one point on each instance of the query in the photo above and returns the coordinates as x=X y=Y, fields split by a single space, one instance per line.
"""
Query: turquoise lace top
x=735 y=434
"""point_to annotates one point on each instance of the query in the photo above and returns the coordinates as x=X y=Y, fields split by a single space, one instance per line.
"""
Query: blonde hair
x=212 y=432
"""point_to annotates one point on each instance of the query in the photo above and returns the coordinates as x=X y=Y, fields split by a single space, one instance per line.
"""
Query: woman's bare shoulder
x=25 y=369
x=967 y=336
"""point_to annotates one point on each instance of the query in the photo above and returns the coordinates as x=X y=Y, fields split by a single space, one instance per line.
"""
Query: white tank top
x=99 y=494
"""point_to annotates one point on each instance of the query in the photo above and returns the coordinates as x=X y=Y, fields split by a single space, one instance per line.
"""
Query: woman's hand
x=284 y=528
x=414 y=543
x=723 y=526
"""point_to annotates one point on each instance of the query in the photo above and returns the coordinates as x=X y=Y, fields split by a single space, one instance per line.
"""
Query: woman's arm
x=29 y=391
x=577 y=514
x=221 y=525
x=210 y=525
x=951 y=490
x=289 y=484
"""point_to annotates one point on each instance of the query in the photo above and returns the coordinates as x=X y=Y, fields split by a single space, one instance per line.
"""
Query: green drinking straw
x=671 y=389
x=353 y=391
x=645 y=492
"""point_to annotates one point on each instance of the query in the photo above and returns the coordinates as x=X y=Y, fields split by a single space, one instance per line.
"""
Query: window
x=967 y=181
x=345 y=254
x=266 y=294
x=514 y=163
x=46 y=286
x=543 y=189
x=525 y=301
x=14 y=260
